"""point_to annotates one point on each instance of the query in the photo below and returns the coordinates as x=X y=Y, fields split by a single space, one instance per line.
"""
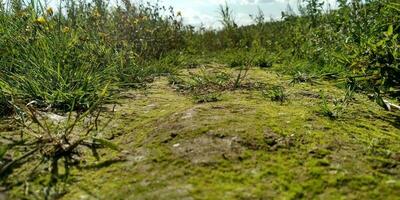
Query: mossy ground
x=245 y=146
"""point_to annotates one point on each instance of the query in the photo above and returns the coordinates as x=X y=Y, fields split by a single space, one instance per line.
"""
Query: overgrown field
x=124 y=101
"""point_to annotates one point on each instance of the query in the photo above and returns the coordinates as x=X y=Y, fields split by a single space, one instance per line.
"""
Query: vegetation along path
x=244 y=146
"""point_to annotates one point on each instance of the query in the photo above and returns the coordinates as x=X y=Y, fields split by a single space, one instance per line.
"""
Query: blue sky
x=196 y=12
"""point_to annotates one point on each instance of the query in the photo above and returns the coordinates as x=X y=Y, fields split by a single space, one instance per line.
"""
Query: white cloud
x=205 y=12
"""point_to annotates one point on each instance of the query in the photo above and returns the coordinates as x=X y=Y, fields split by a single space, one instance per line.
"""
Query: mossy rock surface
x=244 y=146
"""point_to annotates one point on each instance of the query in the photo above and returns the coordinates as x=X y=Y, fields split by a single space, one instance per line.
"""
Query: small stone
x=125 y=152
x=56 y=118
x=176 y=145
x=391 y=182
x=333 y=172
x=3 y=196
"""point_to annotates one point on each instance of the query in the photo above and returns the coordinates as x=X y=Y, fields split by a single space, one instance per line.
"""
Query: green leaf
x=395 y=6
x=3 y=151
x=390 y=31
x=379 y=100
x=107 y=144
x=381 y=43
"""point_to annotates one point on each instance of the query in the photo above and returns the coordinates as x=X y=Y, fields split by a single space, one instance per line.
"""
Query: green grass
x=59 y=61
x=4 y=104
x=196 y=112
x=242 y=146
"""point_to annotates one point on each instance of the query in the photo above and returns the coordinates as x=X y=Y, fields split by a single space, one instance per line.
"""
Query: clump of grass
x=207 y=98
x=337 y=109
x=176 y=60
x=301 y=77
x=326 y=110
x=262 y=62
x=202 y=82
x=58 y=58
x=261 y=58
x=241 y=76
x=177 y=82
x=206 y=86
x=53 y=67
x=276 y=93
x=240 y=59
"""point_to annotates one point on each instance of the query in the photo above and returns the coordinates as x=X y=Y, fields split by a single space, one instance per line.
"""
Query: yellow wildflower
x=65 y=29
x=40 y=20
x=96 y=14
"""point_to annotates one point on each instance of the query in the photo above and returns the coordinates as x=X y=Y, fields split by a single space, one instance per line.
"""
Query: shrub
x=238 y=59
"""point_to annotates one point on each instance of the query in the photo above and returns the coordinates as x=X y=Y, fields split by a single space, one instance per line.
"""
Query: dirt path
x=245 y=147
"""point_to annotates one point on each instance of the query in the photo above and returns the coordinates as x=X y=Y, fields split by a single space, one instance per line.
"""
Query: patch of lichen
x=246 y=147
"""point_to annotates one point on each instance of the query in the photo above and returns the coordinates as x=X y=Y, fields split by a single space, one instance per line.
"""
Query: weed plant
x=46 y=146
x=338 y=107
x=207 y=86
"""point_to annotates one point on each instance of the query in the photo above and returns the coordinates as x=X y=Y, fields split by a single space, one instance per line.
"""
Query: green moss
x=246 y=147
